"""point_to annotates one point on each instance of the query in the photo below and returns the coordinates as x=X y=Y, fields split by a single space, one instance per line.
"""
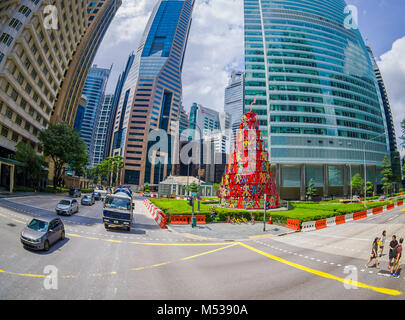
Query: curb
x=331 y=222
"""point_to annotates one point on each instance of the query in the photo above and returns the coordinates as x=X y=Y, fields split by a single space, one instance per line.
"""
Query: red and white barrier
x=324 y=223
x=157 y=214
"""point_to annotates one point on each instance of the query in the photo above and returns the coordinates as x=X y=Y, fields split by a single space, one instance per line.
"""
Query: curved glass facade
x=315 y=89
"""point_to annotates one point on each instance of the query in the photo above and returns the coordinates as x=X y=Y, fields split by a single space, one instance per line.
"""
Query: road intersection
x=151 y=263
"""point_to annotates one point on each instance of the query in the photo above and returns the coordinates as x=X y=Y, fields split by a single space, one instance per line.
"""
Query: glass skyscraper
x=316 y=94
x=94 y=89
x=152 y=94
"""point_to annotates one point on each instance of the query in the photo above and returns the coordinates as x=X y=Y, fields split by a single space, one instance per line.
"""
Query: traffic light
x=267 y=205
x=190 y=201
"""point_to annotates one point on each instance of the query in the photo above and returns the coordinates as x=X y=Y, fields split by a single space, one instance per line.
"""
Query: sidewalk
x=227 y=231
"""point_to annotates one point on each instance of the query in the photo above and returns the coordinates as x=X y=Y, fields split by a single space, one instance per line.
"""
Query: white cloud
x=392 y=66
x=215 y=46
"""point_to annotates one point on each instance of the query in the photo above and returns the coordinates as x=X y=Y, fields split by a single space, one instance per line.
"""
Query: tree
x=118 y=165
x=146 y=187
x=387 y=176
x=192 y=188
x=370 y=188
x=311 y=190
x=64 y=146
x=357 y=184
x=34 y=163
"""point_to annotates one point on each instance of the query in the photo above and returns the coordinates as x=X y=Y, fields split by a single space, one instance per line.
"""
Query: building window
x=4 y=132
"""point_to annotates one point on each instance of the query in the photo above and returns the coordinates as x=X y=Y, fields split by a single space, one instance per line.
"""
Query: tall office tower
x=395 y=155
x=206 y=119
x=101 y=130
x=35 y=53
x=93 y=90
x=152 y=94
x=80 y=113
x=234 y=99
x=316 y=95
x=184 y=122
x=117 y=95
x=100 y=13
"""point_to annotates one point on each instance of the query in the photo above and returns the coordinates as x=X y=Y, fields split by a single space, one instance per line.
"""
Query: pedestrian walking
x=381 y=242
x=393 y=248
x=374 y=254
x=397 y=262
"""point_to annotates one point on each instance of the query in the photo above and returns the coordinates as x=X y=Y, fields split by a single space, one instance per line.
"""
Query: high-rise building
x=80 y=113
x=206 y=119
x=100 y=13
x=94 y=90
x=117 y=95
x=101 y=130
x=395 y=155
x=152 y=94
x=34 y=58
x=316 y=95
x=234 y=99
x=184 y=122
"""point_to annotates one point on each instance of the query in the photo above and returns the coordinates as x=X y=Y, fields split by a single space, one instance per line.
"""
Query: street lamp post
x=365 y=167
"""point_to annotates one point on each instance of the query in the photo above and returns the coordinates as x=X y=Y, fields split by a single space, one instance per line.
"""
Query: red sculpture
x=248 y=176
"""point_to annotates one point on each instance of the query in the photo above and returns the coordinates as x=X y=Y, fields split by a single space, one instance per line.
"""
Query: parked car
x=147 y=195
x=41 y=233
x=97 y=196
x=88 y=200
x=75 y=193
x=67 y=207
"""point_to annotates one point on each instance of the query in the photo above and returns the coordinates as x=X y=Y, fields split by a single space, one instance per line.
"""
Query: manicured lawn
x=301 y=211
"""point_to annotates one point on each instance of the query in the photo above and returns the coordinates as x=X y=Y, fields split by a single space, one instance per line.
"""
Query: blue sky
x=381 y=21
x=215 y=46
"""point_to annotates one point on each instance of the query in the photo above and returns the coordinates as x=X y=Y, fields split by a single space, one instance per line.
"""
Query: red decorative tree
x=248 y=176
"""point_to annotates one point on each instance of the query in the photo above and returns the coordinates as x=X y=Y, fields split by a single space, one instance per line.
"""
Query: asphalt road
x=155 y=264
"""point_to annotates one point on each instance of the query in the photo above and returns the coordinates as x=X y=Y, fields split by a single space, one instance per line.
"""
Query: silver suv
x=67 y=207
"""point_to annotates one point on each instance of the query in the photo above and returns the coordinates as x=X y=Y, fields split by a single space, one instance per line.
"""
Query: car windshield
x=65 y=202
x=38 y=225
x=86 y=197
x=117 y=203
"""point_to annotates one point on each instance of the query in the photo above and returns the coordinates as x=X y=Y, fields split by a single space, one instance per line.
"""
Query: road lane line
x=324 y=274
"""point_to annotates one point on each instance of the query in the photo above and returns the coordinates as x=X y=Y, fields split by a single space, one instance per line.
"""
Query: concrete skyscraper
x=101 y=130
x=316 y=94
x=152 y=94
x=99 y=15
x=34 y=57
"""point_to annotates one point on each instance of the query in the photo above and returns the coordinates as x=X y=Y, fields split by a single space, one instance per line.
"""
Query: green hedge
x=301 y=211
x=87 y=190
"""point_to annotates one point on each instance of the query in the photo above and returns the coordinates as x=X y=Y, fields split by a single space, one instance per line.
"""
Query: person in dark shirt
x=393 y=247
x=397 y=262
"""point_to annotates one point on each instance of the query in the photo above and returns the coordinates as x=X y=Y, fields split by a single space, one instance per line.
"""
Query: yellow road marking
x=324 y=274
x=261 y=236
x=184 y=259
x=179 y=244
x=212 y=251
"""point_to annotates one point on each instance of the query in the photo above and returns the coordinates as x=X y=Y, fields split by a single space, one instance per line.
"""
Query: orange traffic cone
x=270 y=222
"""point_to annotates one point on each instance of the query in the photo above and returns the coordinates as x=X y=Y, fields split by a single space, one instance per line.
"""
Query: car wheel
x=46 y=245
x=128 y=228
x=62 y=236
x=106 y=226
